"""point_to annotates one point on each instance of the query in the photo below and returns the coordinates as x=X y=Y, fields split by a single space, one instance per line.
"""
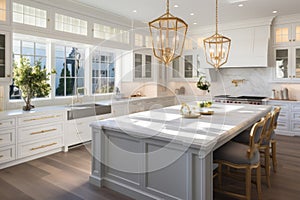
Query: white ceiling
x=204 y=10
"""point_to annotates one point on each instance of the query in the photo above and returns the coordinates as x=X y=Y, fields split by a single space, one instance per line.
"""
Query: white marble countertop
x=20 y=112
x=204 y=133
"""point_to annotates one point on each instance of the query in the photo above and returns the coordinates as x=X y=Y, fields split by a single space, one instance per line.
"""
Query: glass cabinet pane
x=148 y=66
x=297 y=70
x=282 y=63
x=297 y=33
x=188 y=66
x=175 y=68
x=138 y=65
x=282 y=35
x=2 y=56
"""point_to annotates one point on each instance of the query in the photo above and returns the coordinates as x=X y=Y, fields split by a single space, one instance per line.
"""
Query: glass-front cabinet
x=142 y=66
x=4 y=5
x=287 y=52
x=5 y=67
x=185 y=67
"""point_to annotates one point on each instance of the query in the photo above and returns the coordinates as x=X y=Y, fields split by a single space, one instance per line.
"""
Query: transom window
x=138 y=40
x=2 y=10
x=69 y=62
x=70 y=24
x=111 y=33
x=29 y=15
x=103 y=72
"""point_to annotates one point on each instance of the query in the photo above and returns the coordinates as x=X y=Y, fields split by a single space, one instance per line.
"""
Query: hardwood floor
x=64 y=176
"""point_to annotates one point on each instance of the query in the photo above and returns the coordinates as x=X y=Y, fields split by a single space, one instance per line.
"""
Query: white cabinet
x=287 y=52
x=186 y=67
x=39 y=133
x=5 y=60
x=7 y=140
x=289 y=117
x=143 y=66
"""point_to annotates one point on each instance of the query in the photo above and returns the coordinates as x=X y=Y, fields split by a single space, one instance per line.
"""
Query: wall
x=257 y=82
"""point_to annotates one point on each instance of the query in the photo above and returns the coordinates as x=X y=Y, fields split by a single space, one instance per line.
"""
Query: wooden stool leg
x=258 y=182
x=248 y=183
x=274 y=158
x=267 y=165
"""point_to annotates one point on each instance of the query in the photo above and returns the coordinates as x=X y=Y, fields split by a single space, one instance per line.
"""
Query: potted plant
x=203 y=84
x=31 y=80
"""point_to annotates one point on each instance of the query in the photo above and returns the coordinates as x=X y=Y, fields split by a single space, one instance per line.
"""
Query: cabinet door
x=296 y=65
x=148 y=66
x=282 y=34
x=4 y=5
x=296 y=34
x=138 y=65
x=188 y=66
x=282 y=64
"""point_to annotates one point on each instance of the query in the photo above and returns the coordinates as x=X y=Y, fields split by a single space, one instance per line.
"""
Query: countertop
x=205 y=132
x=45 y=109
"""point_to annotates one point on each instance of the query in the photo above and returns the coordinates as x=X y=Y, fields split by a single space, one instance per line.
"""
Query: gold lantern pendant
x=217 y=47
x=168 y=35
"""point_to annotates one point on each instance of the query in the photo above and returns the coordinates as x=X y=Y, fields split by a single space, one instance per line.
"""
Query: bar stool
x=240 y=156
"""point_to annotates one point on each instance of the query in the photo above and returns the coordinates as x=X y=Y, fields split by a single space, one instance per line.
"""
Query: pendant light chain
x=168 y=5
x=217 y=16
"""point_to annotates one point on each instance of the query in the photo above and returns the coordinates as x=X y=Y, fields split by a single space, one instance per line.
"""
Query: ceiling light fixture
x=241 y=5
x=134 y=11
x=176 y=6
x=275 y=11
x=195 y=23
x=168 y=35
x=192 y=14
x=217 y=47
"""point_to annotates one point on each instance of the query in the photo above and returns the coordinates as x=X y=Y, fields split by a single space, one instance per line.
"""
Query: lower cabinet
x=7 y=154
x=289 y=118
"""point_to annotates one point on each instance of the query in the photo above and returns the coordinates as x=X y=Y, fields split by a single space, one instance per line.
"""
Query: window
x=29 y=15
x=2 y=10
x=111 y=33
x=71 y=25
x=148 y=42
x=103 y=72
x=69 y=62
x=282 y=35
x=34 y=51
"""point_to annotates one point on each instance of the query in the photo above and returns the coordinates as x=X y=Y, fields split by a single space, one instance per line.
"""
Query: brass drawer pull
x=1 y=139
x=43 y=146
x=35 y=119
x=43 y=131
x=1 y=156
x=1 y=124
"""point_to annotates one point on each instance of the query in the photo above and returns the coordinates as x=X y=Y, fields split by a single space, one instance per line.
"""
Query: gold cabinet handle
x=1 y=156
x=1 y=139
x=35 y=119
x=43 y=131
x=1 y=124
x=43 y=146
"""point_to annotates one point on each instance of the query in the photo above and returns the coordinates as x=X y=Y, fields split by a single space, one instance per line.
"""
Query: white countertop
x=205 y=132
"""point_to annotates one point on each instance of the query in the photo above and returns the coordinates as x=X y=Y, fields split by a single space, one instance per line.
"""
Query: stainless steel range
x=256 y=100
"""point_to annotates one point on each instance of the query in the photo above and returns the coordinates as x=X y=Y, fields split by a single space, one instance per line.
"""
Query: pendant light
x=168 y=35
x=217 y=47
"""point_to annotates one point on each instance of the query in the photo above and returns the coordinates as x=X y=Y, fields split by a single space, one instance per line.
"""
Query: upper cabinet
x=142 y=66
x=4 y=8
x=5 y=68
x=286 y=40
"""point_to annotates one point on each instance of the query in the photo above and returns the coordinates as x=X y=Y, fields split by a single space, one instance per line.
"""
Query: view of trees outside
x=103 y=72
x=35 y=52
x=69 y=70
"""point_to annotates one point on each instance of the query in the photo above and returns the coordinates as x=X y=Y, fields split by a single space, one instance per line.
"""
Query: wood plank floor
x=64 y=176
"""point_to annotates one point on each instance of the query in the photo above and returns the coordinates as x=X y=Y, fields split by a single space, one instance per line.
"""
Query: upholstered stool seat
x=236 y=153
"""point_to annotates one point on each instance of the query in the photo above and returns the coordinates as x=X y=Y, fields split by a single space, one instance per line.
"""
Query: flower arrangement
x=203 y=84
x=32 y=81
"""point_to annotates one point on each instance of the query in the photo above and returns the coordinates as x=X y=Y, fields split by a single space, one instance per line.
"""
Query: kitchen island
x=158 y=154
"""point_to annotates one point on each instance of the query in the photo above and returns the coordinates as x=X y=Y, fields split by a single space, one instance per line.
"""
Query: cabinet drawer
x=7 y=137
x=31 y=148
x=7 y=123
x=38 y=119
x=7 y=154
x=282 y=125
x=296 y=116
x=295 y=126
x=38 y=132
x=284 y=106
x=283 y=116
x=296 y=107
